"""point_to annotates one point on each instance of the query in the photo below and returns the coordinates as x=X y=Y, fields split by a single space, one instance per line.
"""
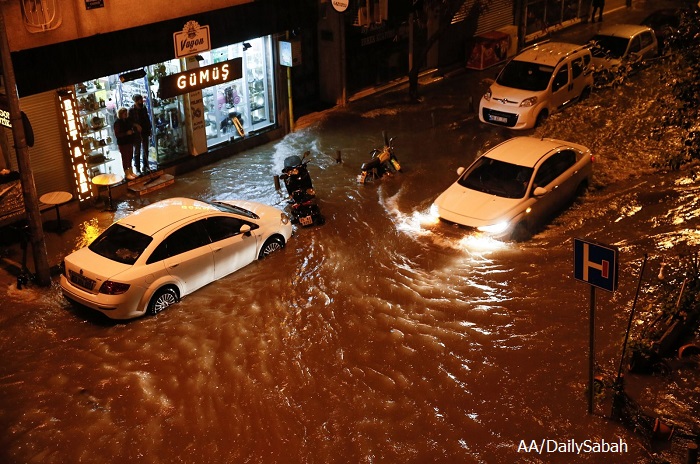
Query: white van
x=540 y=81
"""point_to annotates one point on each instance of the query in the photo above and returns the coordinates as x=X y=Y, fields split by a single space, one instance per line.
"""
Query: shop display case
x=97 y=112
x=257 y=83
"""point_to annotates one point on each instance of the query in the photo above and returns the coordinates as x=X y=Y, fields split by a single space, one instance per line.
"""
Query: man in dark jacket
x=139 y=115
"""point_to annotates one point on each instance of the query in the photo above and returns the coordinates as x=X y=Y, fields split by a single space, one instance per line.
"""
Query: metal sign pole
x=591 y=353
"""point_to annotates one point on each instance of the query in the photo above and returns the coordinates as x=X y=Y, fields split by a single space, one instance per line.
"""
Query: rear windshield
x=525 y=76
x=120 y=244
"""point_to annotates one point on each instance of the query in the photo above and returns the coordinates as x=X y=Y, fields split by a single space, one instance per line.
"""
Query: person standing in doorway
x=598 y=6
x=126 y=133
x=139 y=115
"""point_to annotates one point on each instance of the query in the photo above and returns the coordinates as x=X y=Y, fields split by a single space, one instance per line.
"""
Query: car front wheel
x=162 y=299
x=271 y=245
x=521 y=232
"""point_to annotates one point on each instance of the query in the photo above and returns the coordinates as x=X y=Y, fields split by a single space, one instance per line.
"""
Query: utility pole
x=31 y=200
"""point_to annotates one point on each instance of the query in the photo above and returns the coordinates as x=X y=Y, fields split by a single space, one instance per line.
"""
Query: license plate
x=306 y=221
x=81 y=280
x=498 y=118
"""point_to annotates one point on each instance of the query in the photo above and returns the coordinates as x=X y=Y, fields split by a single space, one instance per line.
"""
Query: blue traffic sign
x=596 y=264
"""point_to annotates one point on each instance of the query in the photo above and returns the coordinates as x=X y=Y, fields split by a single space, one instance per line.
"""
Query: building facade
x=212 y=81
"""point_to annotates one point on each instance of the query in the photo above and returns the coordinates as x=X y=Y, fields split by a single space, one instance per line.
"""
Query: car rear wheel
x=271 y=245
x=162 y=299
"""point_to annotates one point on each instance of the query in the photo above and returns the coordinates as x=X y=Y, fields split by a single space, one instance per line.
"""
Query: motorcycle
x=383 y=162
x=303 y=208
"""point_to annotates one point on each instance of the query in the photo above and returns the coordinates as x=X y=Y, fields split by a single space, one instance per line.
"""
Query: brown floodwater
x=378 y=337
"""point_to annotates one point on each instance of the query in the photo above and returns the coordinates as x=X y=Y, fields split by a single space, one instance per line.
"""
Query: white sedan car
x=512 y=189
x=150 y=259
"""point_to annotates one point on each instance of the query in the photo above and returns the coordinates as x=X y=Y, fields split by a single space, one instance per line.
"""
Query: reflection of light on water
x=628 y=211
x=685 y=236
x=89 y=230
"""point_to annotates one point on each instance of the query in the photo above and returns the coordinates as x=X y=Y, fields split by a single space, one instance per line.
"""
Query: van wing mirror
x=245 y=229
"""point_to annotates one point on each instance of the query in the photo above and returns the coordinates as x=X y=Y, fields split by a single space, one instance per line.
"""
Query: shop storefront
x=542 y=16
x=232 y=110
x=77 y=99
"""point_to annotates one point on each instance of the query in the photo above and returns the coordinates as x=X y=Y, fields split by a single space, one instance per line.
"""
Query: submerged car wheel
x=161 y=300
x=541 y=118
x=271 y=245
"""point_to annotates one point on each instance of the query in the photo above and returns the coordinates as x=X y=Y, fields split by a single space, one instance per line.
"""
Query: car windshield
x=525 y=76
x=497 y=178
x=613 y=47
x=226 y=208
x=121 y=244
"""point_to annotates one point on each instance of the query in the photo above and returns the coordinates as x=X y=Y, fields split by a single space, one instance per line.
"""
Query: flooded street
x=378 y=337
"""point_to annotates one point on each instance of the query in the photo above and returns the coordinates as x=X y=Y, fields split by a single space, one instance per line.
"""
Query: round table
x=108 y=180
x=56 y=199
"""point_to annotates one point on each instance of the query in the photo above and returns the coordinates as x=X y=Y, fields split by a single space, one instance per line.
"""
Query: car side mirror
x=540 y=192
x=245 y=230
x=460 y=170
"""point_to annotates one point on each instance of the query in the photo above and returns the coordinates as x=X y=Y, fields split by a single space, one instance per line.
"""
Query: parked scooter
x=302 y=196
x=383 y=162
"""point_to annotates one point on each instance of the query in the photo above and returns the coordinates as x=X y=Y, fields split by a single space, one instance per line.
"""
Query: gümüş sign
x=200 y=78
x=191 y=40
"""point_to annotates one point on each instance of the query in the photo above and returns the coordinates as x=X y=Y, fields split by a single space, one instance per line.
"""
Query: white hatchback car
x=512 y=189
x=540 y=81
x=621 y=45
x=150 y=259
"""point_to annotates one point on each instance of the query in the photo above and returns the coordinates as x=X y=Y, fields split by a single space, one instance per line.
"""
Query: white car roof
x=527 y=151
x=622 y=30
x=152 y=218
x=548 y=53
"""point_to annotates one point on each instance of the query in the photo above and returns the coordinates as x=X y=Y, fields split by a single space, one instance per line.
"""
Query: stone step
x=151 y=182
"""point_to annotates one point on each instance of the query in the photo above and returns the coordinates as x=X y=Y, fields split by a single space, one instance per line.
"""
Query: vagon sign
x=199 y=78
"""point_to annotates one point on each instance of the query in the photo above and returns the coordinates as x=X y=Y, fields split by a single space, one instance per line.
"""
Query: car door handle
x=216 y=250
x=174 y=265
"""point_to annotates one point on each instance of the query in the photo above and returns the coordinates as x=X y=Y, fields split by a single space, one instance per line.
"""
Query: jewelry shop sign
x=191 y=40
x=200 y=78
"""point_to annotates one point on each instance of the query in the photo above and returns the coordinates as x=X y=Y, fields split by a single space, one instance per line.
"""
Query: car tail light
x=284 y=218
x=113 y=288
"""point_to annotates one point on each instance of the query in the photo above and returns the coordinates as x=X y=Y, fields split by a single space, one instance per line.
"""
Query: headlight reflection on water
x=426 y=224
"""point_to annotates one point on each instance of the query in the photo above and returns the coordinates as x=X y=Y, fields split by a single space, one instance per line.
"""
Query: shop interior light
x=132 y=75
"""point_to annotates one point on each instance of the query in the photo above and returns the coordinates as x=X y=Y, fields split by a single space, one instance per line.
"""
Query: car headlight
x=529 y=102
x=487 y=95
x=497 y=228
x=284 y=218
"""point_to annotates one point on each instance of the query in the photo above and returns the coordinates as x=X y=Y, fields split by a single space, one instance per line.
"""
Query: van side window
x=562 y=78
x=577 y=67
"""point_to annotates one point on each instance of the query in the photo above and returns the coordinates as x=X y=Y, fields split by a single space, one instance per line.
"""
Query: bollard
x=338 y=158
x=471 y=104
x=277 y=182
x=432 y=117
